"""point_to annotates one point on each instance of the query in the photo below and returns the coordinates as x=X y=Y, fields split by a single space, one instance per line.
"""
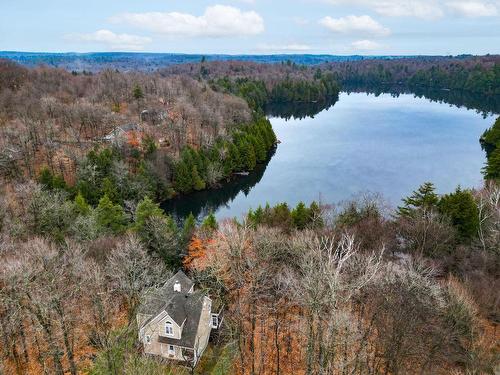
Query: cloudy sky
x=388 y=27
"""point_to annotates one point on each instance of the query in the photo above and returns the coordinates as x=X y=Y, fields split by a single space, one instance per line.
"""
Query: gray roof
x=186 y=283
x=129 y=127
x=122 y=129
x=182 y=307
x=193 y=305
x=164 y=298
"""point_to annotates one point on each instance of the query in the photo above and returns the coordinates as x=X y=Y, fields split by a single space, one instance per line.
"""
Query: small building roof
x=129 y=127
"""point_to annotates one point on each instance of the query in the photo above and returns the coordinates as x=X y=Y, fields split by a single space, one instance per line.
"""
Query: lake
x=384 y=143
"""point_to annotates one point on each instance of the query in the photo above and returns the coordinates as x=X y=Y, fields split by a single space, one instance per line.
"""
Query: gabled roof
x=183 y=307
x=192 y=306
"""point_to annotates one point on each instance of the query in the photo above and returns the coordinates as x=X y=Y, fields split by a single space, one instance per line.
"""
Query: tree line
x=249 y=145
x=478 y=74
x=258 y=93
x=468 y=73
x=490 y=142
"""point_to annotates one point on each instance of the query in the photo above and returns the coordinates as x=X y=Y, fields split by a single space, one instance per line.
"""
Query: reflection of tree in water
x=484 y=104
x=299 y=110
x=201 y=203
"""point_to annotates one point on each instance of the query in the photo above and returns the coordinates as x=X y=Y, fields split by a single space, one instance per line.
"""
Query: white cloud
x=365 y=45
x=426 y=9
x=472 y=8
x=355 y=25
x=217 y=21
x=122 y=42
x=294 y=47
x=419 y=9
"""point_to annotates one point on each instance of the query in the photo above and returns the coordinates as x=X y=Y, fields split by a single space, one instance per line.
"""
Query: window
x=215 y=321
x=148 y=339
x=169 y=329
x=171 y=350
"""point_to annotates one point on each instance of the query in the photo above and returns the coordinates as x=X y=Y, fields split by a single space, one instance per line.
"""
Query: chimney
x=177 y=286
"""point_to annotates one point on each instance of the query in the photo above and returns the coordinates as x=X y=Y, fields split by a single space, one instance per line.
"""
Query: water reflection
x=384 y=139
x=299 y=110
x=486 y=105
x=201 y=203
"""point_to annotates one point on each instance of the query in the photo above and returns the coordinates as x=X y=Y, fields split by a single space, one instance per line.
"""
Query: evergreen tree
x=198 y=183
x=137 y=92
x=258 y=215
x=300 y=216
x=461 y=208
x=81 y=205
x=247 y=154
x=183 y=178
x=144 y=211
x=423 y=198
x=110 y=216
x=109 y=189
x=188 y=228
x=210 y=223
x=234 y=162
x=492 y=169
x=51 y=181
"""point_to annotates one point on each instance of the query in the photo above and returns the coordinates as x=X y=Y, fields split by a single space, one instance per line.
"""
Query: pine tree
x=492 y=169
x=81 y=205
x=300 y=216
x=423 y=198
x=145 y=210
x=461 y=208
x=210 y=223
x=183 y=178
x=109 y=189
x=51 y=181
x=198 y=183
x=188 y=228
x=110 y=216
x=259 y=215
x=234 y=160
x=137 y=93
x=247 y=154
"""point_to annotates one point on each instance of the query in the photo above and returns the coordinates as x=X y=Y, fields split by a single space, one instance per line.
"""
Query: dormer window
x=169 y=329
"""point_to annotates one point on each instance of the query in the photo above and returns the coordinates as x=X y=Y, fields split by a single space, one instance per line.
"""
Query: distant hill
x=151 y=61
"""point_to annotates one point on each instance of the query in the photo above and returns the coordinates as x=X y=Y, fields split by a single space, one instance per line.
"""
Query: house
x=124 y=133
x=175 y=321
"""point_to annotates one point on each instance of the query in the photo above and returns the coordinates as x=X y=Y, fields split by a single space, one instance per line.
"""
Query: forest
x=355 y=287
x=490 y=141
x=477 y=74
x=472 y=74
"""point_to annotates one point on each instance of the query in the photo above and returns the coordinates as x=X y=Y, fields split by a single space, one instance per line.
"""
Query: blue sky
x=368 y=27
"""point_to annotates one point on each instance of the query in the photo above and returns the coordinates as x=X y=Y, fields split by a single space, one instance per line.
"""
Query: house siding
x=205 y=326
x=156 y=328
x=193 y=331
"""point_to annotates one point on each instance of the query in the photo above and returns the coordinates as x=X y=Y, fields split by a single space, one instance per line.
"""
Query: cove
x=365 y=142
